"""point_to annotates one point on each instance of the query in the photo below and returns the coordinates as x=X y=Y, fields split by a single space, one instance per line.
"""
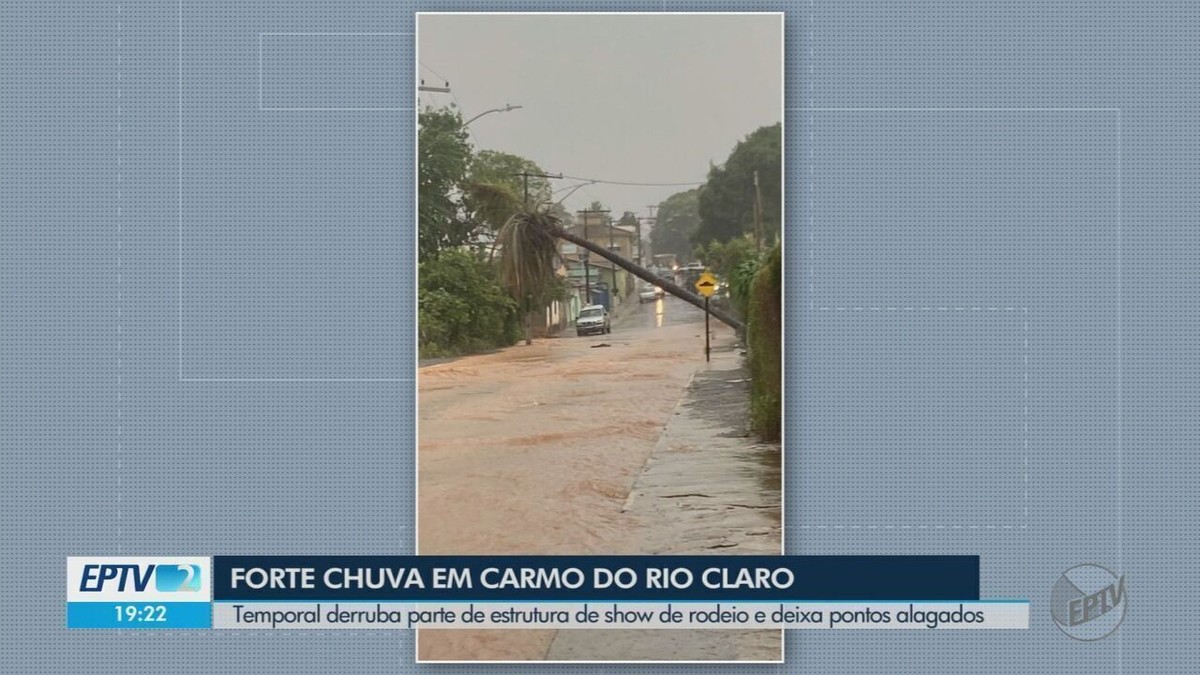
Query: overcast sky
x=638 y=98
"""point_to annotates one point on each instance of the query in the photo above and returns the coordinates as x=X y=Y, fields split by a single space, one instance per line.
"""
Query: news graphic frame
x=782 y=111
x=700 y=592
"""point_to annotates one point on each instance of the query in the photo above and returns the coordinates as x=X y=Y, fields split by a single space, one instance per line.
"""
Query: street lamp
x=507 y=107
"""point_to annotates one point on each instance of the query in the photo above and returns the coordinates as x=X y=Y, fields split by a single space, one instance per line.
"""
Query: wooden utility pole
x=653 y=223
x=757 y=215
x=587 y=276
x=612 y=291
x=526 y=175
x=440 y=90
x=638 y=227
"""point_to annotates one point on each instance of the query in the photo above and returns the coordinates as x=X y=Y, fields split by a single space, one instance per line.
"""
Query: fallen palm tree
x=527 y=246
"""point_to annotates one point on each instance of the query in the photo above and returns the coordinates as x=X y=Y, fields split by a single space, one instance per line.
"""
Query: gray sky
x=639 y=98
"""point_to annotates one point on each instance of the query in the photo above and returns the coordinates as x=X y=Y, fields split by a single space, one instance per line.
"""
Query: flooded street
x=537 y=449
x=550 y=436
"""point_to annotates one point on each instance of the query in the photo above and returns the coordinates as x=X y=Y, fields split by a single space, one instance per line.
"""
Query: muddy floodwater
x=535 y=449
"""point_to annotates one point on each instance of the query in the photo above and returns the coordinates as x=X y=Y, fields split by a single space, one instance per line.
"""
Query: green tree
x=559 y=211
x=726 y=200
x=443 y=156
x=462 y=306
x=502 y=169
x=723 y=258
x=677 y=221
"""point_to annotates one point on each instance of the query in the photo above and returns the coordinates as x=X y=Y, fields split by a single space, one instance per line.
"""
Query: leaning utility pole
x=526 y=175
x=649 y=277
x=587 y=276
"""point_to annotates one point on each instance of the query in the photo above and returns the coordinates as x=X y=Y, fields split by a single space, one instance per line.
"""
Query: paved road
x=668 y=311
x=536 y=449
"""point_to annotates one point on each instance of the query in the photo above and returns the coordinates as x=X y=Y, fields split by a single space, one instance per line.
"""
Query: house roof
x=600 y=231
x=593 y=261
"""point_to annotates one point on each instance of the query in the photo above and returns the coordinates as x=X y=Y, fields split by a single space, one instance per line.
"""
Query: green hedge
x=764 y=335
x=462 y=308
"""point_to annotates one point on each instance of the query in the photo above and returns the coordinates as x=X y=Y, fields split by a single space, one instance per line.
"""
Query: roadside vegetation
x=466 y=303
x=733 y=227
x=764 y=343
x=461 y=306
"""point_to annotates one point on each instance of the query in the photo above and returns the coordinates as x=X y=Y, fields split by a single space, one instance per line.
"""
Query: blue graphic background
x=207 y=342
x=177 y=578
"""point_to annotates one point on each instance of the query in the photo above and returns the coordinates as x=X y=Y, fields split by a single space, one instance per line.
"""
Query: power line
x=590 y=194
x=572 y=188
x=632 y=183
x=525 y=175
x=568 y=187
x=443 y=77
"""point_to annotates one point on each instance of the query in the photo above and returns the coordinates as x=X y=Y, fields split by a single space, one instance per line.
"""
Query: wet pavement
x=708 y=488
x=538 y=449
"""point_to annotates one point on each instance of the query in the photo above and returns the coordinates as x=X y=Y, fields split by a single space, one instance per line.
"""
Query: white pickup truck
x=592 y=319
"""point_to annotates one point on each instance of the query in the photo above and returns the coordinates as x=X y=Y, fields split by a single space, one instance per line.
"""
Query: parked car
x=592 y=319
x=649 y=293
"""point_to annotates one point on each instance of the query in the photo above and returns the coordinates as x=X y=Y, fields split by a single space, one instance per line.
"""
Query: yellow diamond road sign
x=706 y=284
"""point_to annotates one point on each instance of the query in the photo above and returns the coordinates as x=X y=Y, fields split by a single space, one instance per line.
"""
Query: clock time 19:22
x=141 y=613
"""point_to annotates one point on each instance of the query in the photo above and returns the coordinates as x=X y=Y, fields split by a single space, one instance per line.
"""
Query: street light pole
x=506 y=108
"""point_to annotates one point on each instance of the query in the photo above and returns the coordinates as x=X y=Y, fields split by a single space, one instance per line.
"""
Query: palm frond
x=528 y=247
x=492 y=203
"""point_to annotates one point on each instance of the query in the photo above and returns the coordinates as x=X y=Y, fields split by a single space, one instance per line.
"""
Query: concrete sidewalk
x=707 y=489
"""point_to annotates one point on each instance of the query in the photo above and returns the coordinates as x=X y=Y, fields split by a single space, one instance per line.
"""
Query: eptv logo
x=167 y=578
x=139 y=578
x=1088 y=602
